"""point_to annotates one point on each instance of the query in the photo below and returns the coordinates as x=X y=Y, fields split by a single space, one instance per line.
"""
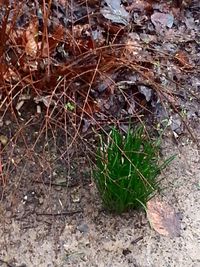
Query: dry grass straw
x=30 y=67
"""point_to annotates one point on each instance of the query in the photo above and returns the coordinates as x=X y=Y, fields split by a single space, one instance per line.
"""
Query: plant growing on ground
x=126 y=170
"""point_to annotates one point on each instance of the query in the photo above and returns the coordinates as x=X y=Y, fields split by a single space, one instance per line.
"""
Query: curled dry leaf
x=31 y=38
x=163 y=218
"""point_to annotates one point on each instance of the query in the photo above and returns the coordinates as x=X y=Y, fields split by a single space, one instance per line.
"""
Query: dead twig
x=65 y=213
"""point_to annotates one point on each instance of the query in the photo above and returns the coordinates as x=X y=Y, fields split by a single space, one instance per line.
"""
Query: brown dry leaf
x=183 y=59
x=31 y=33
x=163 y=218
x=139 y=5
x=91 y=107
x=11 y=75
x=133 y=45
x=53 y=41
x=170 y=98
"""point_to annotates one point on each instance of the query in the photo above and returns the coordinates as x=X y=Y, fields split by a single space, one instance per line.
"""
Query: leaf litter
x=58 y=42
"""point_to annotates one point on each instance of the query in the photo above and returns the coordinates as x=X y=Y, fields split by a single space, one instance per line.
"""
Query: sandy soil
x=93 y=238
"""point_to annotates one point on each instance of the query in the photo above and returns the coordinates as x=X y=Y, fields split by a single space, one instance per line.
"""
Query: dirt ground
x=90 y=237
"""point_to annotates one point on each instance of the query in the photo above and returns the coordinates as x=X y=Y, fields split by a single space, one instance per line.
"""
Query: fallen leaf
x=162 y=20
x=31 y=33
x=133 y=46
x=139 y=5
x=46 y=100
x=146 y=91
x=163 y=218
x=53 y=40
x=90 y=107
x=176 y=124
x=11 y=75
x=183 y=59
x=115 y=12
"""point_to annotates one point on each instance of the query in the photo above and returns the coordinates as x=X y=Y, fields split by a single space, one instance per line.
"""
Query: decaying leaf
x=163 y=218
x=183 y=59
x=90 y=107
x=146 y=91
x=11 y=75
x=53 y=41
x=139 y=5
x=133 y=45
x=46 y=100
x=115 y=12
x=31 y=37
x=162 y=20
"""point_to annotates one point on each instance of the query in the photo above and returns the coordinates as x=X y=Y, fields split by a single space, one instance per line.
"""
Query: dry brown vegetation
x=67 y=69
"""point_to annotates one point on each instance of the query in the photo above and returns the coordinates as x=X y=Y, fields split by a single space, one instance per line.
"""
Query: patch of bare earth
x=33 y=235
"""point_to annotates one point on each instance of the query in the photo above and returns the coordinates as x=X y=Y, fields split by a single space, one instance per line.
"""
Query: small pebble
x=3 y=140
x=7 y=122
x=83 y=228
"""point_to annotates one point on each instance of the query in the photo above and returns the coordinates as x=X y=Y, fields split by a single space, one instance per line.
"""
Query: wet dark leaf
x=115 y=12
x=146 y=91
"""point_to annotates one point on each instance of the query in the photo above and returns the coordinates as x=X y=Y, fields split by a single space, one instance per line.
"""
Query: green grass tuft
x=126 y=170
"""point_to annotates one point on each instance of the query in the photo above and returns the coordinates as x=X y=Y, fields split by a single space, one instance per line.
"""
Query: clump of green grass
x=126 y=170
